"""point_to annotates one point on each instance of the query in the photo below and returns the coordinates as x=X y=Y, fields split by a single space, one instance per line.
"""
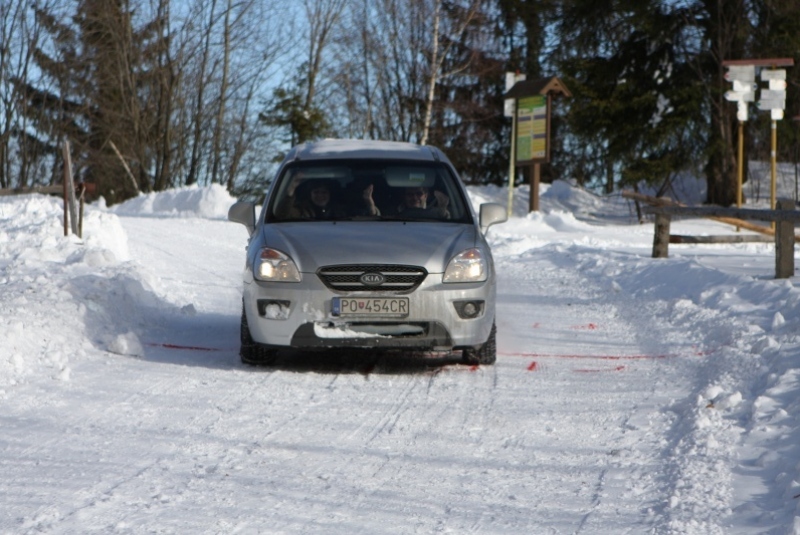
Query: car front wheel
x=484 y=354
x=252 y=353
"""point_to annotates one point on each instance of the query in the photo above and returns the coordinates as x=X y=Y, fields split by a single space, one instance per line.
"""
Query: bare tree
x=375 y=76
x=720 y=30
x=21 y=151
x=12 y=17
x=322 y=15
x=207 y=13
x=439 y=52
x=228 y=52
x=392 y=57
x=222 y=100
x=166 y=79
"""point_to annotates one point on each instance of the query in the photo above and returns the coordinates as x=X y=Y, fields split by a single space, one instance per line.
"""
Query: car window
x=367 y=190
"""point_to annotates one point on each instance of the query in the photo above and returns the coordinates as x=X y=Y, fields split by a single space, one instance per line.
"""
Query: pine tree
x=635 y=99
x=776 y=36
x=289 y=109
x=100 y=83
x=725 y=28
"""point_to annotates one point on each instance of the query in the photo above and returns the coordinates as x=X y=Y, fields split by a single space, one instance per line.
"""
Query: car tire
x=251 y=352
x=484 y=354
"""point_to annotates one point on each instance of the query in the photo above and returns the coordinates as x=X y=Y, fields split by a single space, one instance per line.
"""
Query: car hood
x=315 y=244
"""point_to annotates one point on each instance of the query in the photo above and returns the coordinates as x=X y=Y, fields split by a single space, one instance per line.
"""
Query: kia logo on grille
x=372 y=279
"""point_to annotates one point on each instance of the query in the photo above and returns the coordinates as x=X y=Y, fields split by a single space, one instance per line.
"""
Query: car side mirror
x=245 y=213
x=491 y=213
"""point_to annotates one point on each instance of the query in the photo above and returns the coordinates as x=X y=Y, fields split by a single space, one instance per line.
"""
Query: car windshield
x=340 y=190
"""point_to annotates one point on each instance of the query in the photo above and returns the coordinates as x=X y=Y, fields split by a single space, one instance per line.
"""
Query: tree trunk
x=223 y=95
x=197 y=138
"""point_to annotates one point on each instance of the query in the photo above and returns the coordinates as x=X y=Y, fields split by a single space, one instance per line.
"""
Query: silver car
x=368 y=244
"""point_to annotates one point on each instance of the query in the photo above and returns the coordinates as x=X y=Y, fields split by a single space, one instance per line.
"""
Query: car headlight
x=466 y=266
x=275 y=266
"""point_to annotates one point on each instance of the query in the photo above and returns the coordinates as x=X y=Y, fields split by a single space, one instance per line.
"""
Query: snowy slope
x=631 y=395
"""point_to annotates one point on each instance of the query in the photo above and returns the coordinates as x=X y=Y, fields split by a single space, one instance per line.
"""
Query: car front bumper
x=299 y=315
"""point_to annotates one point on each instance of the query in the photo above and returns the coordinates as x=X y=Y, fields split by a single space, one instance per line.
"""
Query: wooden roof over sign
x=773 y=62
x=541 y=86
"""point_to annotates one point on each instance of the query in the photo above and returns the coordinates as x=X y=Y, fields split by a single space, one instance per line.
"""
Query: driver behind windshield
x=415 y=203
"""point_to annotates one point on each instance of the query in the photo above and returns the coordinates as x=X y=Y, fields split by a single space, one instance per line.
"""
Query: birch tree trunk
x=438 y=56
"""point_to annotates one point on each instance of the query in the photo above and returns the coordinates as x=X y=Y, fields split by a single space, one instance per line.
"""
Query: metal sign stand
x=510 y=110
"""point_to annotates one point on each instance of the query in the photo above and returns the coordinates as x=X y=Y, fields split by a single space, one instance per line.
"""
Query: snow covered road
x=189 y=440
x=587 y=424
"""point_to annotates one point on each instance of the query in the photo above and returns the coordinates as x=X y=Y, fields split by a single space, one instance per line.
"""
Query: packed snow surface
x=631 y=395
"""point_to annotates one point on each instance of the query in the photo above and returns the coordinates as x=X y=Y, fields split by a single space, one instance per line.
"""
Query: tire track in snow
x=446 y=393
x=114 y=423
x=564 y=300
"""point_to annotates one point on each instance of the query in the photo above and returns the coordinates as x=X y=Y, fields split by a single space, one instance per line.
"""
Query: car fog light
x=469 y=309
x=273 y=309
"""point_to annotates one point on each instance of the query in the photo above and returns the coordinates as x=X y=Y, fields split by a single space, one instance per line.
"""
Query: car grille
x=348 y=278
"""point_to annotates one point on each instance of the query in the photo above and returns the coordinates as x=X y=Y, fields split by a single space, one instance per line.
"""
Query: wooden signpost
x=531 y=136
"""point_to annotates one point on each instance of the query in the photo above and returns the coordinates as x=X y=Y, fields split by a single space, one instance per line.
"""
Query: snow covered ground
x=631 y=395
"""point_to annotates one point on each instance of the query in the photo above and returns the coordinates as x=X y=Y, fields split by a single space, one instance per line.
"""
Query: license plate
x=395 y=307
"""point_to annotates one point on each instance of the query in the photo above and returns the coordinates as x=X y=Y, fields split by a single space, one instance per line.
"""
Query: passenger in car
x=415 y=203
x=319 y=203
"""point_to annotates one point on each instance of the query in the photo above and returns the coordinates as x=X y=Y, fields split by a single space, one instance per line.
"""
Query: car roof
x=331 y=149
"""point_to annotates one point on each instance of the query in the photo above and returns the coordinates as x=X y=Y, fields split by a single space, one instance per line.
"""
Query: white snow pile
x=210 y=202
x=736 y=439
x=42 y=321
x=62 y=295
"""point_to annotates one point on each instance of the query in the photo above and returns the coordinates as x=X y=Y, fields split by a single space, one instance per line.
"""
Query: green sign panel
x=532 y=129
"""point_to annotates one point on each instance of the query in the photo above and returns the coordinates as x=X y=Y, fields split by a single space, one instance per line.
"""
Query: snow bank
x=62 y=295
x=737 y=441
x=41 y=324
x=211 y=202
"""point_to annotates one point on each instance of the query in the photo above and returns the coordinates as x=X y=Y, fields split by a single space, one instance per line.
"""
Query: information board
x=532 y=129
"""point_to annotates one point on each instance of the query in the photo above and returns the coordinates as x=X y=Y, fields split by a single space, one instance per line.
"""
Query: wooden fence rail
x=728 y=220
x=33 y=189
x=785 y=218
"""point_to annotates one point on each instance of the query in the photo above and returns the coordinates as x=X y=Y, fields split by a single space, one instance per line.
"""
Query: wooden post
x=535 y=179
x=69 y=191
x=66 y=201
x=784 y=243
x=661 y=236
x=82 y=191
x=773 y=163
x=740 y=168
